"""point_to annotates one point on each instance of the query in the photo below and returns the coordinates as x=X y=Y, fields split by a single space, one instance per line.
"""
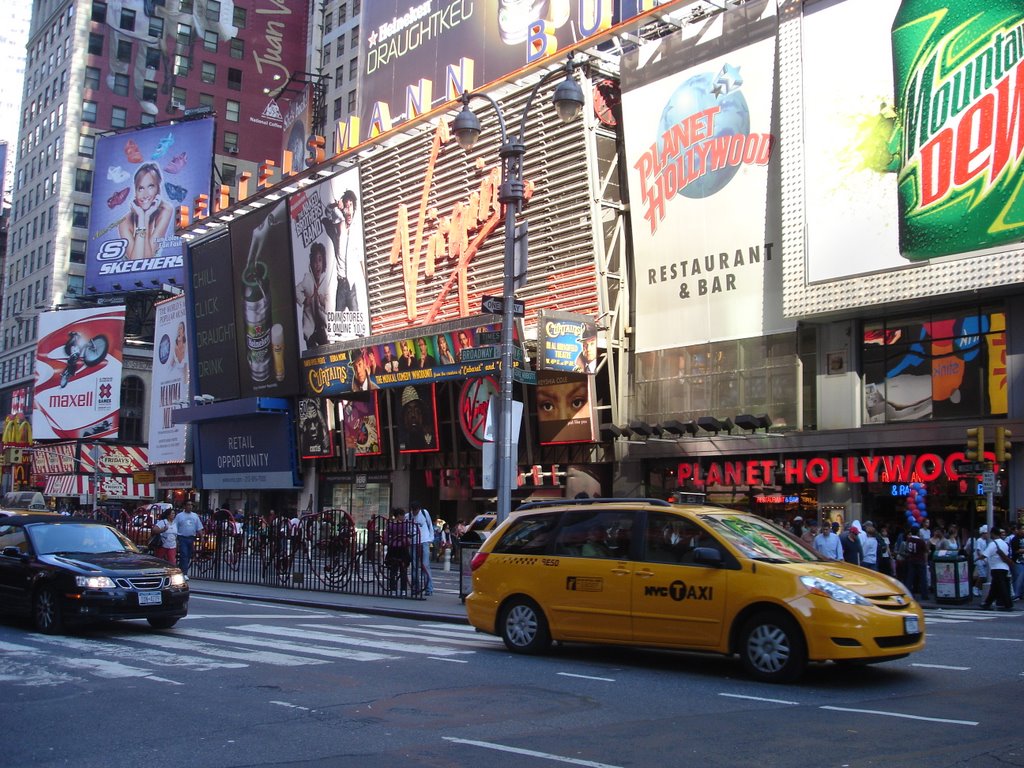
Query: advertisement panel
x=78 y=373
x=360 y=418
x=564 y=410
x=567 y=342
x=170 y=387
x=316 y=428
x=916 y=153
x=212 y=315
x=417 y=47
x=141 y=179
x=702 y=162
x=264 y=298
x=255 y=453
x=416 y=411
x=329 y=262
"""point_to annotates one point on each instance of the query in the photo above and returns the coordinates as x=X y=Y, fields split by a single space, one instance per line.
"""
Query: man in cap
x=852 y=551
x=361 y=381
x=586 y=360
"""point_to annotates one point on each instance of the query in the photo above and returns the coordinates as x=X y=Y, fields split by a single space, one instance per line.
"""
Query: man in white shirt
x=980 y=544
x=998 y=555
x=421 y=578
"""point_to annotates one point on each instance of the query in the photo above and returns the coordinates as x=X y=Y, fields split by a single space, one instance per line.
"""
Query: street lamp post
x=568 y=101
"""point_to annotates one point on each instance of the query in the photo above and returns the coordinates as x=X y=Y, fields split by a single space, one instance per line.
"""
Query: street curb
x=398 y=613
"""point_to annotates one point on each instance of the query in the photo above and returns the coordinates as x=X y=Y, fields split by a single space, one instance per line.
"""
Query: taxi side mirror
x=707 y=556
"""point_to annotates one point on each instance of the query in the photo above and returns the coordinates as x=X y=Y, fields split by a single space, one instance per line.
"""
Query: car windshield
x=759 y=539
x=56 y=538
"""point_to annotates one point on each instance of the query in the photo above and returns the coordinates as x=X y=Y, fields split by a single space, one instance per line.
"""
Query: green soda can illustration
x=959 y=75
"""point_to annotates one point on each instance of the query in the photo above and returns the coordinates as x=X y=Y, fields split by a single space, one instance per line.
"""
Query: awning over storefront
x=112 y=487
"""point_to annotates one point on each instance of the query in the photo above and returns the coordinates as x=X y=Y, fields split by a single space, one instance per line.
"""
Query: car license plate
x=911 y=625
x=150 y=598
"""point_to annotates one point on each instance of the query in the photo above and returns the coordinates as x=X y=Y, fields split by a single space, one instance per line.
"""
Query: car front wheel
x=523 y=627
x=46 y=612
x=773 y=648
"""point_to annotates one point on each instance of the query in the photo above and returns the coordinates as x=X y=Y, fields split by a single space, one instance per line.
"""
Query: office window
x=213 y=10
x=210 y=40
x=357 y=6
x=127 y=22
x=124 y=51
x=339 y=45
x=182 y=64
x=355 y=38
x=186 y=6
x=337 y=108
x=99 y=11
x=80 y=215
x=118 y=117
x=156 y=26
x=209 y=73
x=228 y=174
x=238 y=18
x=86 y=145
x=152 y=58
x=83 y=180
x=339 y=75
x=237 y=49
x=231 y=110
x=78 y=251
x=149 y=90
x=234 y=79
x=95 y=44
x=88 y=111
x=351 y=101
x=342 y=12
x=146 y=119
x=206 y=100
x=92 y=78
x=121 y=84
x=133 y=398
x=353 y=69
x=230 y=141
x=76 y=285
x=328 y=23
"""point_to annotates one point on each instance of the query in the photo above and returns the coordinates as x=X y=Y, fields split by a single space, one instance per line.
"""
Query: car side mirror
x=11 y=552
x=707 y=556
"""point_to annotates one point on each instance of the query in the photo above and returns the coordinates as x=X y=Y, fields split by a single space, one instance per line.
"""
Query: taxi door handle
x=621 y=571
x=645 y=573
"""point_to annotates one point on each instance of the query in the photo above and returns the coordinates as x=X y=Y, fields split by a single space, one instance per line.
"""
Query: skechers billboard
x=141 y=180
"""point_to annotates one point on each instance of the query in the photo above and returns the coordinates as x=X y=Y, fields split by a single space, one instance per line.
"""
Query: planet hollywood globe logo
x=703 y=138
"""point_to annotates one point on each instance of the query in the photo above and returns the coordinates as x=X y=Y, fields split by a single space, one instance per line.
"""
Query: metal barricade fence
x=322 y=551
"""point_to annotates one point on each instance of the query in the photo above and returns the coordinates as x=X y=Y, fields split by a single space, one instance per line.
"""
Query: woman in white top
x=168 y=537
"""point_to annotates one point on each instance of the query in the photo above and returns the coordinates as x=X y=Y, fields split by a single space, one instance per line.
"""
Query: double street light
x=568 y=101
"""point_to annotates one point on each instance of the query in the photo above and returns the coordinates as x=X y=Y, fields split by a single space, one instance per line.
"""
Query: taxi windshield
x=758 y=539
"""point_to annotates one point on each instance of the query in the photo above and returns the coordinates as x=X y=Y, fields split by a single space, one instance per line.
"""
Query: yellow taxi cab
x=701 y=578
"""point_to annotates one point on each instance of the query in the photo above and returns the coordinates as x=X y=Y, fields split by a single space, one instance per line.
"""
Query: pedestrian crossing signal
x=1003 y=444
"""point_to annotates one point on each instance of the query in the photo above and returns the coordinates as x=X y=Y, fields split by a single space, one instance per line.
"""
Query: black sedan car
x=67 y=570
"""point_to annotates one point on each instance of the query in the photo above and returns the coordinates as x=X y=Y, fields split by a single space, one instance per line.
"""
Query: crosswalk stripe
x=225 y=637
x=337 y=635
x=178 y=641
x=386 y=631
x=142 y=655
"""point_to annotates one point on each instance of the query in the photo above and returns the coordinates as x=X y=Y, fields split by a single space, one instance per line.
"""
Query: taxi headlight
x=178 y=580
x=832 y=590
x=94 y=582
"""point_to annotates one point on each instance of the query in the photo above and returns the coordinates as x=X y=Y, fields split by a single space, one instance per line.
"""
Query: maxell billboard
x=141 y=179
x=78 y=373
x=702 y=163
x=170 y=388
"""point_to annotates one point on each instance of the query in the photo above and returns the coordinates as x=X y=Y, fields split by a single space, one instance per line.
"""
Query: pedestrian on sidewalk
x=916 y=553
x=164 y=526
x=1016 y=543
x=422 y=582
x=398 y=537
x=978 y=549
x=998 y=555
x=188 y=526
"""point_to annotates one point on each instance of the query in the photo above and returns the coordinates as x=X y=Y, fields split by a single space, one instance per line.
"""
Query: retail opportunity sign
x=701 y=159
x=894 y=468
x=254 y=453
x=141 y=179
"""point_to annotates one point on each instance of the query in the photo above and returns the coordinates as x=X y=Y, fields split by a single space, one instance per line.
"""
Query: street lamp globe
x=466 y=127
x=568 y=99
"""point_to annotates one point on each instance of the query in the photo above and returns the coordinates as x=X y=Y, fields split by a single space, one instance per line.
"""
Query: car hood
x=121 y=562
x=860 y=580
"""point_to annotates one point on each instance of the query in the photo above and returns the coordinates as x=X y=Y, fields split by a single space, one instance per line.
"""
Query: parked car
x=65 y=570
x=648 y=572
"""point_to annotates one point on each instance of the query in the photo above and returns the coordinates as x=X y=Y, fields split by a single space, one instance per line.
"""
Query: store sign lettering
x=895 y=468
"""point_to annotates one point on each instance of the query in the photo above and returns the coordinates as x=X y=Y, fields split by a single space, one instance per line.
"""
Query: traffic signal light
x=1003 y=446
x=975 y=444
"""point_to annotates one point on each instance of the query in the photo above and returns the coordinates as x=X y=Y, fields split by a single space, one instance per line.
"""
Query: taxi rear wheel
x=773 y=648
x=523 y=627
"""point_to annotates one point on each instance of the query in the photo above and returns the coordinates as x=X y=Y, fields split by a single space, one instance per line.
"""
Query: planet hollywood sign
x=894 y=468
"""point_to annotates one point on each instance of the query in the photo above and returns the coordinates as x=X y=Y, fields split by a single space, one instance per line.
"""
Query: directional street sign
x=478 y=353
x=988 y=481
x=489 y=337
x=524 y=376
x=972 y=467
x=494 y=305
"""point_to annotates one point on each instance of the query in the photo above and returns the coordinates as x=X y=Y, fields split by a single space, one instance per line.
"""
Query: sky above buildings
x=13 y=38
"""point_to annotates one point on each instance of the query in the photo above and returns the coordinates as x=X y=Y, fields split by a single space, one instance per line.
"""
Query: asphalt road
x=241 y=683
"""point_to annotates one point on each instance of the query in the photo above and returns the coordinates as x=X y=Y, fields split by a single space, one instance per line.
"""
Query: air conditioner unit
x=232 y=150
x=175 y=104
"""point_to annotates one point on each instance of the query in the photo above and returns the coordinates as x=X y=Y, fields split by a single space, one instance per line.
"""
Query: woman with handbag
x=164 y=542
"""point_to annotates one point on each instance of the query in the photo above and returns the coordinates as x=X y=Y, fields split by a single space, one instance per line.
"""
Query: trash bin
x=466 y=551
x=950 y=577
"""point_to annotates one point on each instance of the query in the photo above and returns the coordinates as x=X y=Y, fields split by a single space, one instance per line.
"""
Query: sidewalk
x=444 y=605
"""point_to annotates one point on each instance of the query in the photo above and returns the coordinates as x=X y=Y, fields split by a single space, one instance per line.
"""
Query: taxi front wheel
x=773 y=647
x=523 y=626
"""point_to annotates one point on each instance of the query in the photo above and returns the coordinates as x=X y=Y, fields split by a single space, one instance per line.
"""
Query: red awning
x=118 y=487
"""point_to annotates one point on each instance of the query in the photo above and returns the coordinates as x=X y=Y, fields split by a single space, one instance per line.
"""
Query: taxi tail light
x=477 y=561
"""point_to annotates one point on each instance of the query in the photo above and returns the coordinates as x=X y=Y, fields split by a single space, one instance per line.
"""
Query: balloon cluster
x=917 y=509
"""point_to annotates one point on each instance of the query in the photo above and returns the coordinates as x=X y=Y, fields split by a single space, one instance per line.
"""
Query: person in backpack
x=998 y=554
x=422 y=582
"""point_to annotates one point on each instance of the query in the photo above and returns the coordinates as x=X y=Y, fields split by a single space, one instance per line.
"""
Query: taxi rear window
x=530 y=534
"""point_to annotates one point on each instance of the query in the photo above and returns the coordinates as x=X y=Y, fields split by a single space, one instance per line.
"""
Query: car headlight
x=178 y=580
x=832 y=590
x=94 y=582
